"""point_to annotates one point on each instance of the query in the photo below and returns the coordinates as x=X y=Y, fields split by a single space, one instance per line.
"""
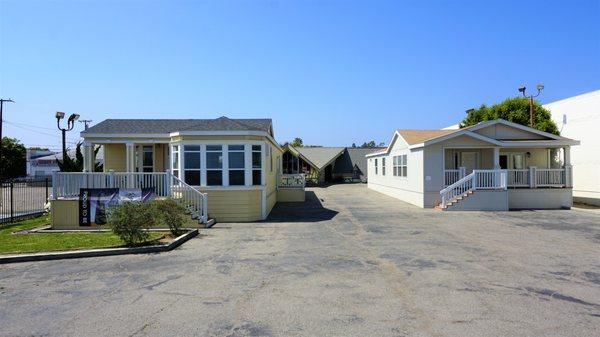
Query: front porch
x=525 y=167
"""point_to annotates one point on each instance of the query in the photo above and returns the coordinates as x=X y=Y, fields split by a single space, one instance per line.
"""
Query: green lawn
x=46 y=242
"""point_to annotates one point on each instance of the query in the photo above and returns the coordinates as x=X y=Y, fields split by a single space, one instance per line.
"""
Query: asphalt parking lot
x=349 y=262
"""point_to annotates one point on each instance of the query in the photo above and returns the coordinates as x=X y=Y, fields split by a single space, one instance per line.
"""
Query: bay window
x=256 y=165
x=214 y=165
x=236 y=164
x=191 y=164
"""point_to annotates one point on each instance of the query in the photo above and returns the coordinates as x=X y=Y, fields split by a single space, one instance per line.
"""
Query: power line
x=32 y=130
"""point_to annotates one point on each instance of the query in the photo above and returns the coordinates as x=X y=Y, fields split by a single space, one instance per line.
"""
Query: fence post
x=12 y=203
x=474 y=180
x=532 y=177
x=462 y=172
x=568 y=176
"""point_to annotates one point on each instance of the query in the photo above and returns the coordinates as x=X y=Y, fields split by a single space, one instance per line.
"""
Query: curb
x=76 y=254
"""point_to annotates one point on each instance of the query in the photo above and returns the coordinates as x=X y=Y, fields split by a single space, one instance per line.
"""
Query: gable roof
x=319 y=156
x=418 y=136
x=166 y=126
x=421 y=138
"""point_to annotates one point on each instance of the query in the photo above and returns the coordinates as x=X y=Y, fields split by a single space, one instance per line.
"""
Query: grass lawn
x=46 y=242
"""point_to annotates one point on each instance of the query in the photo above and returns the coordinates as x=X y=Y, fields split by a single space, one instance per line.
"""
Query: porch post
x=567 y=166
x=496 y=158
x=532 y=177
x=88 y=157
x=130 y=162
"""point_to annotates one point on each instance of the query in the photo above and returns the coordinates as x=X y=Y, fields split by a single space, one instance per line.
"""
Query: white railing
x=518 y=178
x=165 y=184
x=193 y=200
x=550 y=178
x=291 y=181
x=489 y=179
x=477 y=180
x=452 y=176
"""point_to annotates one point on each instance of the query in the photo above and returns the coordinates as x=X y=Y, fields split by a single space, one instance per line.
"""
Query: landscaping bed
x=50 y=242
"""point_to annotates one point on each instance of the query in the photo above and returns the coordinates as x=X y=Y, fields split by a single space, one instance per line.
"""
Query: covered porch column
x=567 y=166
x=130 y=163
x=88 y=157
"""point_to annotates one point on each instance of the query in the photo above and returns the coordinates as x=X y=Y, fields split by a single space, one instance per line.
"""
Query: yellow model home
x=226 y=169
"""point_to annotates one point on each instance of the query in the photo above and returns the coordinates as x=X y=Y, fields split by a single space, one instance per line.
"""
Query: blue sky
x=330 y=72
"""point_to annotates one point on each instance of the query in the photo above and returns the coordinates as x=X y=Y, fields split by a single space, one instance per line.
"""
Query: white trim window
x=214 y=165
x=175 y=160
x=376 y=166
x=382 y=166
x=400 y=166
x=191 y=164
x=236 y=164
x=257 y=165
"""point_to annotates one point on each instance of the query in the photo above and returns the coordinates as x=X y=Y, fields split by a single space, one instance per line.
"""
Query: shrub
x=169 y=213
x=131 y=221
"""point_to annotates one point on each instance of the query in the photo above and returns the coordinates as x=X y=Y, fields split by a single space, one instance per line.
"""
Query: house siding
x=408 y=189
x=233 y=205
x=114 y=157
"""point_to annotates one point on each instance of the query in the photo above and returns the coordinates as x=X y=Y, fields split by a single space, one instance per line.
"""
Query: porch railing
x=165 y=184
x=476 y=180
x=291 y=181
x=532 y=177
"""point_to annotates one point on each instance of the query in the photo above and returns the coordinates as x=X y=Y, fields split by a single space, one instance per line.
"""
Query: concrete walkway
x=352 y=263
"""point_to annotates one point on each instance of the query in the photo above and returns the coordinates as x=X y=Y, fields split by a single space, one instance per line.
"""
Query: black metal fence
x=22 y=198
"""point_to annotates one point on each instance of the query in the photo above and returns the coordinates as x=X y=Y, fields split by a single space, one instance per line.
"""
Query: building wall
x=408 y=189
x=234 y=205
x=65 y=214
x=543 y=198
x=583 y=117
x=272 y=171
x=114 y=157
x=291 y=195
x=483 y=201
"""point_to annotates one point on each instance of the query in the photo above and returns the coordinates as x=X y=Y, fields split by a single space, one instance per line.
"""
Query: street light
x=70 y=124
x=522 y=89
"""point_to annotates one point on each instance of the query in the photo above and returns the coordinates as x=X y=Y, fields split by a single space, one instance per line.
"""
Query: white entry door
x=470 y=161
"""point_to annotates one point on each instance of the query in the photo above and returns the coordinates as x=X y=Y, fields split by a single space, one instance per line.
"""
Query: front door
x=503 y=161
x=469 y=160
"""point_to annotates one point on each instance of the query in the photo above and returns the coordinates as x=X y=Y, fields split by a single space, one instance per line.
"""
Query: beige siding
x=291 y=195
x=159 y=157
x=65 y=214
x=234 y=205
x=114 y=157
x=271 y=176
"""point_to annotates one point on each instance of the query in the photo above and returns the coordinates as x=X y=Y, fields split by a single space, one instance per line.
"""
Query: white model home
x=225 y=169
x=494 y=165
x=579 y=116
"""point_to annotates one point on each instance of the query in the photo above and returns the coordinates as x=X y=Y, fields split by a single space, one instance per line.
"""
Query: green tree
x=369 y=144
x=297 y=142
x=13 y=158
x=69 y=164
x=513 y=109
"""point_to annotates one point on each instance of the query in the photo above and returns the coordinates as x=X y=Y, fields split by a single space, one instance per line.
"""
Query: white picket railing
x=550 y=177
x=453 y=175
x=476 y=180
x=165 y=184
x=291 y=181
x=518 y=178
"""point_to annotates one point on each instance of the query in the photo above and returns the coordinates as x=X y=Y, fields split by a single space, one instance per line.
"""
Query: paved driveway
x=352 y=263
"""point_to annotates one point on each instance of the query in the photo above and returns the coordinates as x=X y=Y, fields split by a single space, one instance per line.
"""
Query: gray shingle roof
x=320 y=156
x=151 y=126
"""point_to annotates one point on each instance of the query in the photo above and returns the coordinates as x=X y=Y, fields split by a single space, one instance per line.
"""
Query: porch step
x=454 y=201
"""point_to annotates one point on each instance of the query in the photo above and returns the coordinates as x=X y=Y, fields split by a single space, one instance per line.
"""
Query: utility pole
x=539 y=88
x=2 y=100
x=86 y=123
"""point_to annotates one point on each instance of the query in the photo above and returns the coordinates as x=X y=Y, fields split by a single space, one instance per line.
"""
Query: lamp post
x=539 y=88
x=70 y=124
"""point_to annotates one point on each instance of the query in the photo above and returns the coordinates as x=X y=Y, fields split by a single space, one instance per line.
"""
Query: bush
x=131 y=221
x=169 y=213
